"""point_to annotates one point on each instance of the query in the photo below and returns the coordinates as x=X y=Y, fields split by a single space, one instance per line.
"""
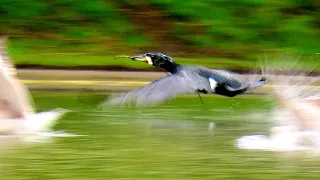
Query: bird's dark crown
x=160 y=60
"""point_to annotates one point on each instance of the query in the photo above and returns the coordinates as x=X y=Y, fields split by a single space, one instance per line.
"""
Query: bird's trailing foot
x=258 y=84
x=203 y=91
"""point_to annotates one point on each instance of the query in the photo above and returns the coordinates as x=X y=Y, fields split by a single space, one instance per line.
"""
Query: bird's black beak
x=124 y=56
x=139 y=58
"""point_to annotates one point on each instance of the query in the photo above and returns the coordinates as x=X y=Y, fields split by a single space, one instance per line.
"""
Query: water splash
x=36 y=128
x=46 y=137
x=296 y=118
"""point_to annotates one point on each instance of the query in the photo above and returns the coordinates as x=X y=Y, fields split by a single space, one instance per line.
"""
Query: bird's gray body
x=183 y=80
x=186 y=80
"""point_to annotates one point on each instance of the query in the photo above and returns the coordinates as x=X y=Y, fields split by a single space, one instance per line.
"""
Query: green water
x=171 y=141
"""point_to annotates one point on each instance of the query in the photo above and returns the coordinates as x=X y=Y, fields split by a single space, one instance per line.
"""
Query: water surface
x=182 y=139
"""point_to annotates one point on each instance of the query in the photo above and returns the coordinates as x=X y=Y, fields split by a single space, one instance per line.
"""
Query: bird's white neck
x=213 y=83
x=149 y=60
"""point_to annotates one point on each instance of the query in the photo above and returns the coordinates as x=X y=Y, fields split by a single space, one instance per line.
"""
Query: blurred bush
x=73 y=19
x=241 y=27
x=250 y=24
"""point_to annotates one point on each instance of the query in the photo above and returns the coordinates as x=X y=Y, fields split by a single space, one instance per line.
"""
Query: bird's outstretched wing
x=12 y=92
x=156 y=92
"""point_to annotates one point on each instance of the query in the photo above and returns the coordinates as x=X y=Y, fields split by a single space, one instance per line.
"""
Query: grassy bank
x=74 y=54
x=109 y=63
x=103 y=61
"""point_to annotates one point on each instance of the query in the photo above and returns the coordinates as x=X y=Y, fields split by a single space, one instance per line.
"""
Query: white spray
x=296 y=117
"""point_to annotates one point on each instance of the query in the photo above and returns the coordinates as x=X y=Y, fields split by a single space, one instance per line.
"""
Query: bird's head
x=156 y=59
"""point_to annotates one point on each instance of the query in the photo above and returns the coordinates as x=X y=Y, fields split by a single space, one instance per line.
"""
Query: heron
x=182 y=79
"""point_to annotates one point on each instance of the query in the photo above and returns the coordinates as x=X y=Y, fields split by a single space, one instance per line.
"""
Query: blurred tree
x=240 y=27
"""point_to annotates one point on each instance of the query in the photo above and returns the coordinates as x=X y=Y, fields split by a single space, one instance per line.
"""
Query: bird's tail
x=255 y=85
x=255 y=80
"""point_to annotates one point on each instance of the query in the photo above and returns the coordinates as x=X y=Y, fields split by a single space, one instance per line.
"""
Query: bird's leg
x=202 y=101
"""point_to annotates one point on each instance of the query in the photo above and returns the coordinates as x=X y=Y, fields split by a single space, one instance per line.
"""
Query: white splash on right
x=297 y=116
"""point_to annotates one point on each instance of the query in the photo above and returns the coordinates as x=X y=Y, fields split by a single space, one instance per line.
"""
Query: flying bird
x=182 y=80
x=17 y=109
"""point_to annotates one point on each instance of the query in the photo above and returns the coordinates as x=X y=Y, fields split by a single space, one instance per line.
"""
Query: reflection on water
x=173 y=141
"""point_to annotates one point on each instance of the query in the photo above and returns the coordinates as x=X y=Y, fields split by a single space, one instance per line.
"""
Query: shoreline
x=119 y=68
x=106 y=81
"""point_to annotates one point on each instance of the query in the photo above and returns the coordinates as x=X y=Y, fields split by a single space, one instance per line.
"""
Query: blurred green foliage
x=248 y=24
x=64 y=19
x=245 y=28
